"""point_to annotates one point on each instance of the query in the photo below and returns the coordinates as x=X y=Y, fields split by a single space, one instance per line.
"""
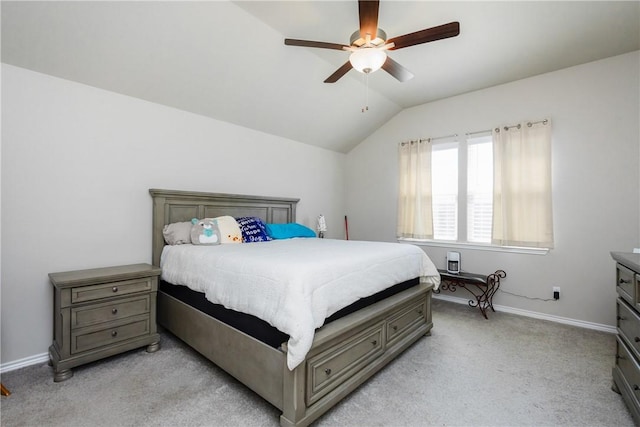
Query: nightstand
x=101 y=312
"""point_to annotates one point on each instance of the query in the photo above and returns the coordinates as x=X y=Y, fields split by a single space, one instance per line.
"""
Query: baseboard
x=44 y=357
x=536 y=315
x=23 y=363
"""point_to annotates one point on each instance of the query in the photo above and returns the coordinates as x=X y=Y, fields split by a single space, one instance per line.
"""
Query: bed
x=351 y=346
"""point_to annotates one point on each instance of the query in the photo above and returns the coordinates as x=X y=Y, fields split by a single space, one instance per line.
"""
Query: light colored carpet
x=505 y=371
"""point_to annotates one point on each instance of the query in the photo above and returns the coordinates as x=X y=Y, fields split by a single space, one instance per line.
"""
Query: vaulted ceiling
x=227 y=60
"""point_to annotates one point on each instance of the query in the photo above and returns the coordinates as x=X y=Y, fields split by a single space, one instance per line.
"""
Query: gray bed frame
x=344 y=354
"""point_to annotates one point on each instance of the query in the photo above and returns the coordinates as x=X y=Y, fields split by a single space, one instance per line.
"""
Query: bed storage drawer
x=107 y=290
x=405 y=320
x=117 y=309
x=333 y=366
x=338 y=362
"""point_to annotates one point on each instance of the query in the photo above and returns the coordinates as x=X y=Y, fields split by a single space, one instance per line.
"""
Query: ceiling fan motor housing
x=377 y=39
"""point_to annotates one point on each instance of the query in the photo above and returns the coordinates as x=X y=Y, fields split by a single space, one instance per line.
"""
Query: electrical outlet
x=556 y=292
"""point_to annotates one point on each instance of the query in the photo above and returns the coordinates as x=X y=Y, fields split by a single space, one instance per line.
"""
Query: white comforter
x=294 y=284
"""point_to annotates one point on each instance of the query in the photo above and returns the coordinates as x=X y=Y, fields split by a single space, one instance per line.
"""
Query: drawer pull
x=637 y=339
x=114 y=333
x=327 y=371
x=395 y=327
x=621 y=318
x=618 y=357
x=635 y=387
x=374 y=342
x=622 y=281
x=114 y=289
x=114 y=311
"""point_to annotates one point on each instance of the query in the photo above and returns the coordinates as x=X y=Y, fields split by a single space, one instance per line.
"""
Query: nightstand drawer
x=107 y=290
x=84 y=341
x=106 y=312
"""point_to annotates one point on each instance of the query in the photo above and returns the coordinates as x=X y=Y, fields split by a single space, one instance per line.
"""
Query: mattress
x=258 y=328
x=294 y=284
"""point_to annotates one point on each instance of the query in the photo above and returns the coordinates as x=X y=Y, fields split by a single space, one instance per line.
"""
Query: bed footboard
x=347 y=352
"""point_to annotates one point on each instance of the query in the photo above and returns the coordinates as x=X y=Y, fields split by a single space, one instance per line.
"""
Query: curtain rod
x=529 y=124
x=453 y=135
x=478 y=131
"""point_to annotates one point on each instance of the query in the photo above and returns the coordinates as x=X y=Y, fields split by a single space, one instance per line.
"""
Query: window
x=444 y=179
x=477 y=194
x=479 y=189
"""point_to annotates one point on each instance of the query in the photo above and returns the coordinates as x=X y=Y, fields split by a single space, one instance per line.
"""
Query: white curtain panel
x=415 y=217
x=522 y=211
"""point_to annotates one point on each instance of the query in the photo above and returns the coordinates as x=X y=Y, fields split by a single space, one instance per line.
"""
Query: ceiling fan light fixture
x=368 y=59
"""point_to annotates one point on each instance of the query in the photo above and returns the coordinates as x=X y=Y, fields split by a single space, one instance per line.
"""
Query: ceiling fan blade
x=368 y=11
x=339 y=73
x=451 y=29
x=309 y=43
x=397 y=70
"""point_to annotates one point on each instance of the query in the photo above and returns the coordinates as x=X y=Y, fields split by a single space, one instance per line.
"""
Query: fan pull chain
x=366 y=93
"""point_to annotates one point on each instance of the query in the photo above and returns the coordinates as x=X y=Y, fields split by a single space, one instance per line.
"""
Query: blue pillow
x=253 y=229
x=289 y=230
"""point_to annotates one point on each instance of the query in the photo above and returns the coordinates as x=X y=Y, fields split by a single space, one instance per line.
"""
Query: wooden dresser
x=101 y=312
x=626 y=372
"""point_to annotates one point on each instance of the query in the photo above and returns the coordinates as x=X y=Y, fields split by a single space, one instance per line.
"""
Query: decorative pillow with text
x=253 y=229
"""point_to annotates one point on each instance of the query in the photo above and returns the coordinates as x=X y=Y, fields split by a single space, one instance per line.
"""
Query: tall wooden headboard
x=175 y=206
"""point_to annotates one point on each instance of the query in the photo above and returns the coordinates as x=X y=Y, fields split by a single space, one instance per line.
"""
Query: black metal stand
x=482 y=287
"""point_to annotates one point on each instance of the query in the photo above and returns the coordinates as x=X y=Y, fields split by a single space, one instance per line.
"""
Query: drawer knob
x=114 y=333
x=622 y=281
x=635 y=387
x=621 y=318
x=395 y=327
x=114 y=311
x=114 y=289
x=327 y=371
x=374 y=342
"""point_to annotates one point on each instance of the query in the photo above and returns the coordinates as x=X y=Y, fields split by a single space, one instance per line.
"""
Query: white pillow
x=177 y=233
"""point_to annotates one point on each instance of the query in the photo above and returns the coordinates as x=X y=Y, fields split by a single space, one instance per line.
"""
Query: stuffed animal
x=229 y=229
x=205 y=232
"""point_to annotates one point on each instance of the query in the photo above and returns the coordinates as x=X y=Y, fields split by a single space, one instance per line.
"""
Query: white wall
x=77 y=163
x=595 y=110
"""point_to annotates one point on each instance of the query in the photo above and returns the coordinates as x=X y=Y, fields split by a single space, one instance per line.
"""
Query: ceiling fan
x=369 y=44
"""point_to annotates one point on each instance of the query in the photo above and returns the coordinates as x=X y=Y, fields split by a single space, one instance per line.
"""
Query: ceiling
x=228 y=61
